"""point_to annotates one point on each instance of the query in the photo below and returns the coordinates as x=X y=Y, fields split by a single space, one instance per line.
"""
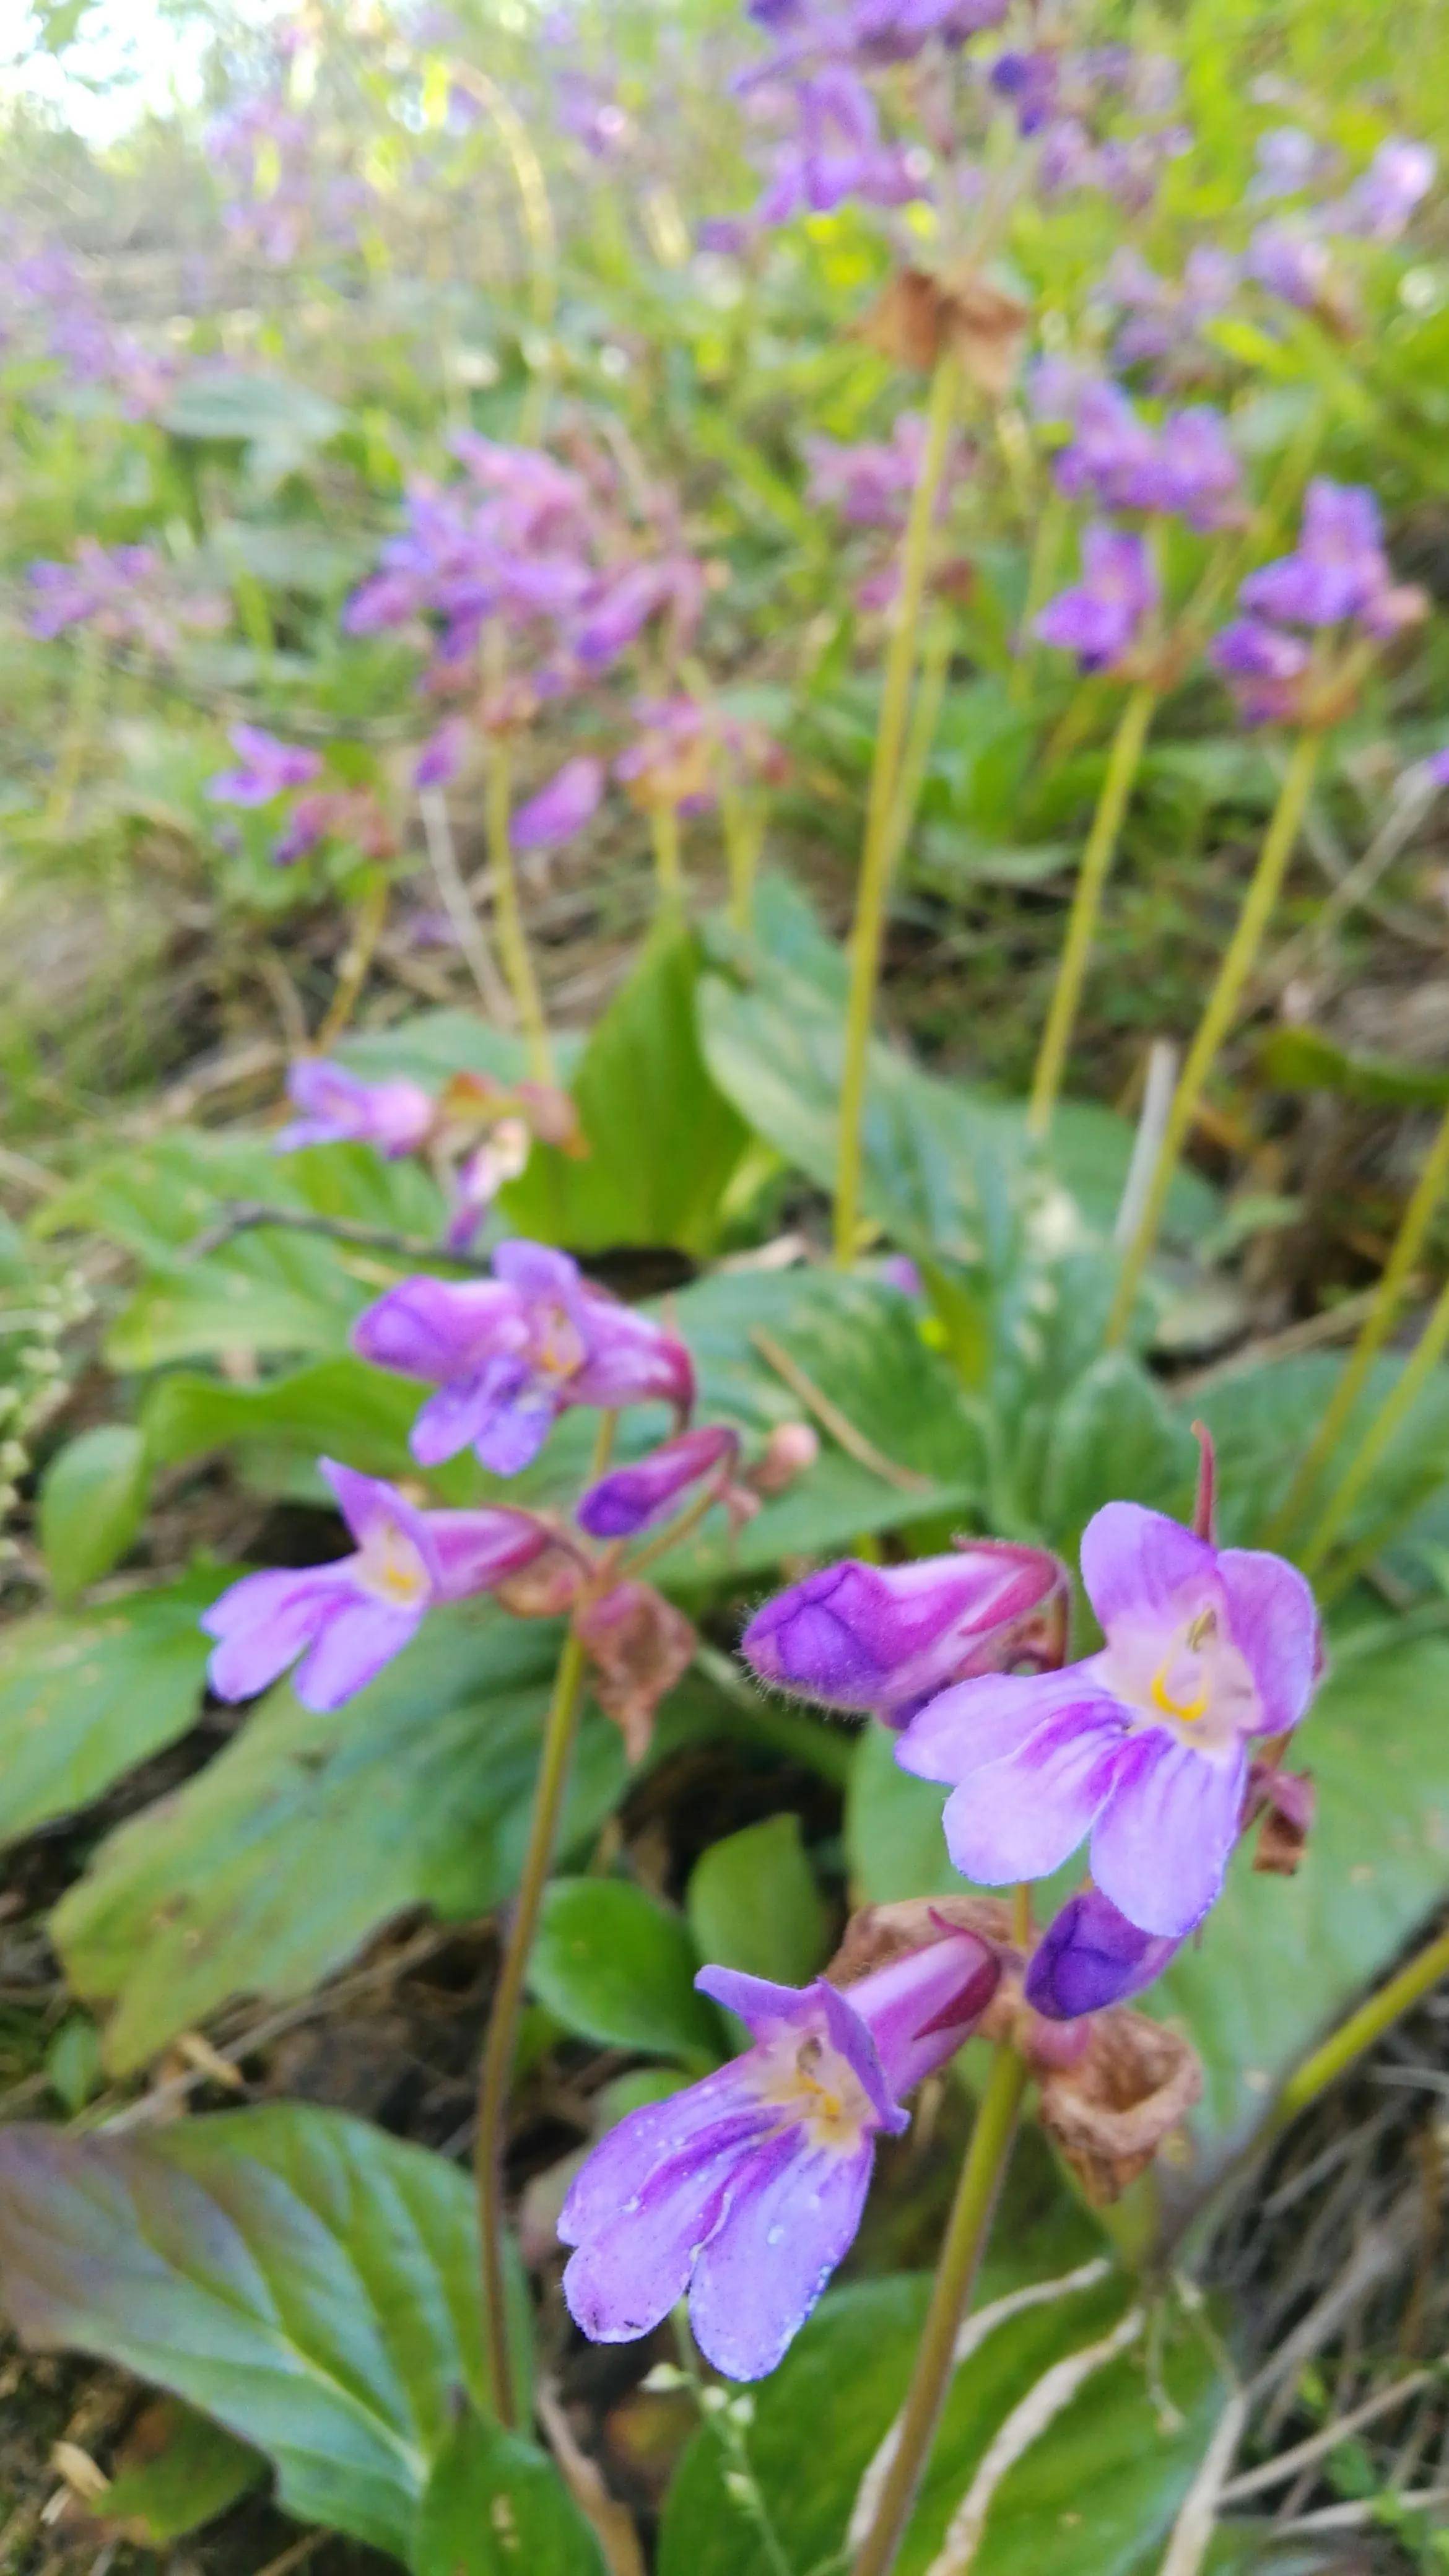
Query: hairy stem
x=965 y=2242
x=1379 y=1322
x=512 y=938
x=1397 y=1405
x=878 y=851
x=495 y=2072
x=1263 y=891
x=1123 y=762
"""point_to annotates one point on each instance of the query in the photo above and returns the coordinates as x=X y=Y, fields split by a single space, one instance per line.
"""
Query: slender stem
x=1361 y=2029
x=1123 y=761
x=1379 y=1322
x=457 y=903
x=495 y=2073
x=965 y=2243
x=1051 y=527
x=356 y=960
x=1233 y=973
x=1399 y=1402
x=742 y=820
x=877 y=853
x=668 y=874
x=512 y=938
x=925 y=716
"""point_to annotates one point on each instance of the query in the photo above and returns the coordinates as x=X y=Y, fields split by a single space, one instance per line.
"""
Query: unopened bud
x=792 y=1448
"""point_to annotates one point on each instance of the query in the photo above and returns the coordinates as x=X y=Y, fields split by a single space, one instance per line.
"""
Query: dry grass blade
x=1025 y=2424
x=842 y=1430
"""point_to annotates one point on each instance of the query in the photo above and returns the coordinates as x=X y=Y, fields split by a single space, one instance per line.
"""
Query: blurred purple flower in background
x=338 y=1108
x=632 y=1498
x=569 y=800
x=266 y=768
x=1101 y=618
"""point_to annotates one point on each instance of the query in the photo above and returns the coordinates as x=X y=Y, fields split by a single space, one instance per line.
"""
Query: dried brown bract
x=1108 y=2114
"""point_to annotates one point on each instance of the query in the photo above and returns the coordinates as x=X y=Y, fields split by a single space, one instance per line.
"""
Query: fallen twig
x=243 y=1215
x=907 y=1480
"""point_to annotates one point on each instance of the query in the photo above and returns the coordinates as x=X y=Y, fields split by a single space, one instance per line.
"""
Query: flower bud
x=629 y=1499
x=887 y=1638
x=1090 y=1956
x=790 y=1451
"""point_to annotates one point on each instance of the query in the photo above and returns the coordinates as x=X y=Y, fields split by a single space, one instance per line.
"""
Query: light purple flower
x=349 y=1618
x=1263 y=667
x=1143 y=1747
x=1090 y=1957
x=869 y=481
x=1286 y=160
x=1379 y=204
x=267 y=768
x=887 y=1638
x=1197 y=474
x=562 y=807
x=1290 y=259
x=510 y=1353
x=340 y=1109
x=629 y=1499
x=1101 y=618
x=443 y=754
x=1112 y=452
x=839 y=154
x=745 y=2191
x=1436 y=768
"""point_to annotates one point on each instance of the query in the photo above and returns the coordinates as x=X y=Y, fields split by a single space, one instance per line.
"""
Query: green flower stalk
x=1393 y=1412
x=1123 y=763
x=878 y=853
x=513 y=946
x=1237 y=965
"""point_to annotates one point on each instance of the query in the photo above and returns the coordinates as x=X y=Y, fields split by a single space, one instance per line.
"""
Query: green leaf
x=1092 y=2496
x=198 y=2472
x=307 y=2280
x=271 y=1866
x=92 y=1505
x=752 y=1903
x=893 y=1836
x=332 y=1408
x=1303 y=1059
x=216 y=402
x=85 y=1698
x=496 y=2506
x=73 y=2065
x=615 y=1967
x=1115 y=1433
x=662 y=1139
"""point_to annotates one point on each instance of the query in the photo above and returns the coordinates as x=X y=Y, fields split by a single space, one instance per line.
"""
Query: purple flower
x=1113 y=454
x=628 y=1499
x=1263 y=667
x=1436 y=768
x=745 y=2191
x=475 y=1185
x=1198 y=474
x=349 y=1618
x=510 y=1353
x=443 y=754
x=267 y=768
x=1101 y=618
x=887 y=1638
x=1288 y=258
x=311 y=819
x=1378 y=205
x=1287 y=159
x=1090 y=1956
x=1338 y=569
x=839 y=153
x=1164 y=319
x=1144 y=1746
x=870 y=481
x=561 y=808
x=339 y=1109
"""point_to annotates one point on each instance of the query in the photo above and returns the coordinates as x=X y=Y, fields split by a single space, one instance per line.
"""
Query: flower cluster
x=45 y=297
x=1307 y=611
x=476 y=1132
x=124 y=594
x=269 y=771
x=508 y=1355
x=744 y=2191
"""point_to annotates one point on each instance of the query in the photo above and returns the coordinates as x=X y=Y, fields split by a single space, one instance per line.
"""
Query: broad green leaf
x=92 y=1505
x=1094 y=2495
x=893 y=1836
x=218 y=402
x=85 y=1697
x=1264 y=1415
x=271 y=1866
x=434 y=1044
x=496 y=2506
x=332 y=1408
x=752 y=1903
x=1115 y=1434
x=199 y=2470
x=662 y=1139
x=615 y=1967
x=307 y=2280
x=266 y=1289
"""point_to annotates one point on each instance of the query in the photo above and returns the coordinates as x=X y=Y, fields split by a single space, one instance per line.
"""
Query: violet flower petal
x=437 y=1328
x=1273 y=1618
x=1160 y=1846
x=790 y=2217
x=630 y=1498
x=991 y=1718
x=623 y=2279
x=1137 y=1562
x=1022 y=1816
x=361 y=1636
x=263 y=1622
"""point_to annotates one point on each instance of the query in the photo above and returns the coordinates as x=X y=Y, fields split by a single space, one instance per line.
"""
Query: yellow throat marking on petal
x=1188 y=1711
x=395 y=1568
